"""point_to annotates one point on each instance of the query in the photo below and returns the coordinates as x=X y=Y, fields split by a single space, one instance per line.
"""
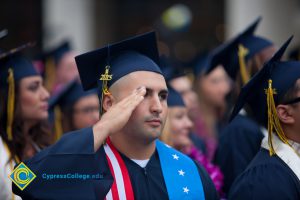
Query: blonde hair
x=166 y=135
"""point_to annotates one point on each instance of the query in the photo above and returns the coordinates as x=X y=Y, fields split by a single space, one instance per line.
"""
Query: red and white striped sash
x=121 y=188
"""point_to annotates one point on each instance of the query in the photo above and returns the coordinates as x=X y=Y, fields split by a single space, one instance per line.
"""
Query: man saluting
x=122 y=147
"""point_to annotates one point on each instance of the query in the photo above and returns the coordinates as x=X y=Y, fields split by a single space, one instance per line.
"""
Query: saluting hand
x=117 y=116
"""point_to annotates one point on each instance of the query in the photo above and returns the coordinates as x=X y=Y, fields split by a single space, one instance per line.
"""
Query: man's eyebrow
x=162 y=90
x=149 y=90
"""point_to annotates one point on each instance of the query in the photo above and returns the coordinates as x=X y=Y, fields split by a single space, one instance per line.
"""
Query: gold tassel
x=57 y=123
x=273 y=120
x=49 y=73
x=105 y=78
x=242 y=52
x=10 y=103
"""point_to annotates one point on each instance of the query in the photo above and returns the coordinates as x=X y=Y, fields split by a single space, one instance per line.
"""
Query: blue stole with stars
x=180 y=174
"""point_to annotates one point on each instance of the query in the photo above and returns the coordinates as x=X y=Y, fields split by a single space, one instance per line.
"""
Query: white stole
x=5 y=171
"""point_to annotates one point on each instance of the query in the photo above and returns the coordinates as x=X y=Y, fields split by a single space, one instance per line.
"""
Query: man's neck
x=132 y=148
x=291 y=134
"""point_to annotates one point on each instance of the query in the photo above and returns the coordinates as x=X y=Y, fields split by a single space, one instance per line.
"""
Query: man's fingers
x=139 y=96
x=120 y=113
x=135 y=98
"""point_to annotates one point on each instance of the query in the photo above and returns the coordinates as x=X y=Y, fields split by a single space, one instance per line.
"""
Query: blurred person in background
x=212 y=89
x=24 y=130
x=73 y=108
x=57 y=66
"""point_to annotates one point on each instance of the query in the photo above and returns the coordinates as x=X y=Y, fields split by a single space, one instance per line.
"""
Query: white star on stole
x=186 y=190
x=175 y=157
x=181 y=172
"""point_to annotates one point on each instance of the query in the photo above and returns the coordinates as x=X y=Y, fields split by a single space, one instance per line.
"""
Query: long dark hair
x=38 y=134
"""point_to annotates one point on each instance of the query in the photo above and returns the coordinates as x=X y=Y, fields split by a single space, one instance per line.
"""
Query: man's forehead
x=145 y=77
x=150 y=80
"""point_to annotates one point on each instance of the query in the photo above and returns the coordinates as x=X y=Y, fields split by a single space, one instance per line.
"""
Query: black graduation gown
x=239 y=143
x=267 y=177
x=74 y=153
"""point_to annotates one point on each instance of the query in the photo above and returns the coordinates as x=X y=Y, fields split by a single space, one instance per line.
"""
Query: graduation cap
x=13 y=67
x=58 y=52
x=174 y=98
x=69 y=95
x=103 y=67
x=264 y=91
x=234 y=54
x=51 y=59
x=201 y=63
x=66 y=97
x=170 y=68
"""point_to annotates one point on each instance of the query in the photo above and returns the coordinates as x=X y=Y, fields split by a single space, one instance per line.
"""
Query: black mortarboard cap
x=58 y=52
x=21 y=66
x=227 y=53
x=138 y=53
x=170 y=68
x=174 y=98
x=201 y=63
x=69 y=94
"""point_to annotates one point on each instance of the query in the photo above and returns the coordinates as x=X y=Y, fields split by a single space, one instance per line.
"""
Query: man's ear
x=108 y=101
x=285 y=114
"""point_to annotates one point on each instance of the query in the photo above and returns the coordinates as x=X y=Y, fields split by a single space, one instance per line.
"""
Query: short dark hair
x=290 y=94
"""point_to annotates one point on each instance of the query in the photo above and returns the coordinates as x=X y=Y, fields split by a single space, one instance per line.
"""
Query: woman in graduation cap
x=176 y=134
x=212 y=89
x=273 y=94
x=23 y=115
x=73 y=108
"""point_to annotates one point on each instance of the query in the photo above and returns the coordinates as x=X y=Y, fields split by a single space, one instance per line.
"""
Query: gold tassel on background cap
x=242 y=52
x=105 y=78
x=49 y=73
x=58 y=130
x=10 y=103
x=273 y=120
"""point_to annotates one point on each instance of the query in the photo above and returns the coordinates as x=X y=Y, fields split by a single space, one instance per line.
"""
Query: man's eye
x=147 y=93
x=163 y=96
